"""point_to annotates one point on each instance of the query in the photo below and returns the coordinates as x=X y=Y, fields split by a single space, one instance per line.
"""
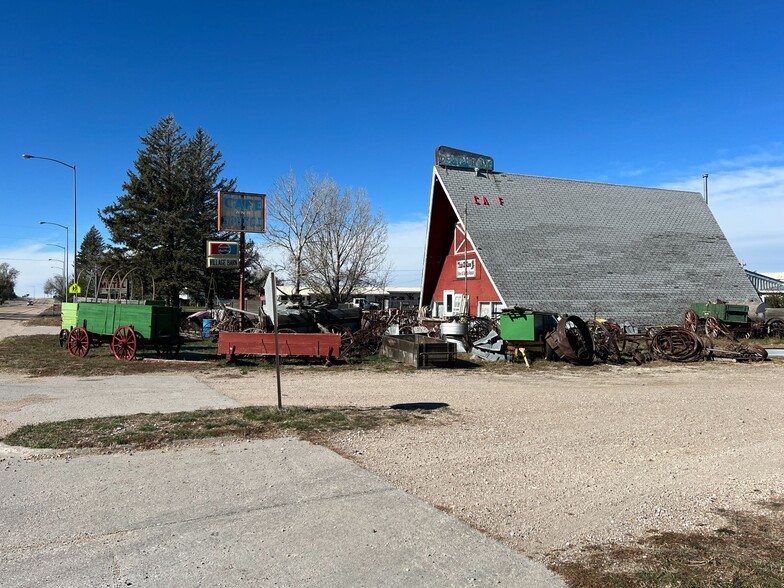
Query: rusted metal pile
x=579 y=343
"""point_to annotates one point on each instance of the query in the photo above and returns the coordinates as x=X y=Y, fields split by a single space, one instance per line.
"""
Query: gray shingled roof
x=620 y=252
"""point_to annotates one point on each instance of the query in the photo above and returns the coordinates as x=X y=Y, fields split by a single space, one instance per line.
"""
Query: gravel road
x=553 y=459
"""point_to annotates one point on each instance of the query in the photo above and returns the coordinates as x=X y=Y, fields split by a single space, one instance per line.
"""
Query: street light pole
x=65 y=279
x=66 y=250
x=73 y=167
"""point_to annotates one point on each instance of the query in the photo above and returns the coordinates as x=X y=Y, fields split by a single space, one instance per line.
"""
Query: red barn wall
x=480 y=288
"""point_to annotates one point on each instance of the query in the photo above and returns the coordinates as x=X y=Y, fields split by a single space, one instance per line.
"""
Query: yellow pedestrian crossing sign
x=74 y=289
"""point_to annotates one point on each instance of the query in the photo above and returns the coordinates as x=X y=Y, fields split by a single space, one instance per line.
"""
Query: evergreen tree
x=168 y=209
x=91 y=259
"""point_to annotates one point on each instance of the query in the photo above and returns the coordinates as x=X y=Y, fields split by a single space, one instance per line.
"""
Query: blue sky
x=650 y=94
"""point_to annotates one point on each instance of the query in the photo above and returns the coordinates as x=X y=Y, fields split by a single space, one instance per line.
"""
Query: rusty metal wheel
x=346 y=340
x=78 y=342
x=751 y=352
x=776 y=328
x=691 y=321
x=124 y=343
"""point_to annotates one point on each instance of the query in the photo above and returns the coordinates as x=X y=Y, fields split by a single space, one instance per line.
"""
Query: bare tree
x=295 y=218
x=54 y=287
x=349 y=251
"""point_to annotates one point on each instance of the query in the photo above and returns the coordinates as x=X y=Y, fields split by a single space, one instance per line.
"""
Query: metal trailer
x=320 y=345
x=125 y=327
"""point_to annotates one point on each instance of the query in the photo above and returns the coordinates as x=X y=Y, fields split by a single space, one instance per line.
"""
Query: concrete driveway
x=261 y=513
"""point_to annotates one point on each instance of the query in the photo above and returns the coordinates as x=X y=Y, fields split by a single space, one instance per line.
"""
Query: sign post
x=271 y=308
x=242 y=212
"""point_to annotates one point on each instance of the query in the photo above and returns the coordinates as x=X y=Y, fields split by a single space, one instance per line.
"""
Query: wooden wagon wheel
x=691 y=321
x=63 y=337
x=124 y=343
x=712 y=327
x=168 y=347
x=78 y=342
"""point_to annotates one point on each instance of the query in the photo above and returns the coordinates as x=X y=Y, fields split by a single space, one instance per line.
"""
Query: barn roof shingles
x=620 y=252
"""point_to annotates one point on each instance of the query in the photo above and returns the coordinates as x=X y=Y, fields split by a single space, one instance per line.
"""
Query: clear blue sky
x=651 y=94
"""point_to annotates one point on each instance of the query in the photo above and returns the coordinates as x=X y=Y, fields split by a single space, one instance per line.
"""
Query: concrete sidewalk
x=261 y=513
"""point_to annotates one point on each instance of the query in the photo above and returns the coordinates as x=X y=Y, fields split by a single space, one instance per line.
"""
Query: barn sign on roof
x=451 y=157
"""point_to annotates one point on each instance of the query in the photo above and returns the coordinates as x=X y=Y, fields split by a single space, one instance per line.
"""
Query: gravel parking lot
x=554 y=459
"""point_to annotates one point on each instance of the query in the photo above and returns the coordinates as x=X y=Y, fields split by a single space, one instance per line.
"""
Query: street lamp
x=73 y=167
x=65 y=288
x=66 y=249
x=65 y=266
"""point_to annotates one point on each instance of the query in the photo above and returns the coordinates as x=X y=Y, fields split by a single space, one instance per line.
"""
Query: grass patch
x=148 y=431
x=748 y=552
x=41 y=355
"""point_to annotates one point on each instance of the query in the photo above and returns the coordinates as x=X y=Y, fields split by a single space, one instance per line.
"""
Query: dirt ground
x=557 y=458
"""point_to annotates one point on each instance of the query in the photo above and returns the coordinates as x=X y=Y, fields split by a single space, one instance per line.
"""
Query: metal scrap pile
x=579 y=343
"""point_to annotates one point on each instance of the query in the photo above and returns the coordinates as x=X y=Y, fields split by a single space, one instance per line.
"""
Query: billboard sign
x=242 y=212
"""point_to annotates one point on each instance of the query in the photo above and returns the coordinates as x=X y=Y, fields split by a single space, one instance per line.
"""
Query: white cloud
x=746 y=195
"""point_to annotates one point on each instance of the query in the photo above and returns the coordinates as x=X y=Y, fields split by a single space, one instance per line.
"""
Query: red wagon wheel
x=124 y=343
x=712 y=327
x=691 y=321
x=78 y=342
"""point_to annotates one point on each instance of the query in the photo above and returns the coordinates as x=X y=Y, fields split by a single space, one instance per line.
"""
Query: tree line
x=327 y=236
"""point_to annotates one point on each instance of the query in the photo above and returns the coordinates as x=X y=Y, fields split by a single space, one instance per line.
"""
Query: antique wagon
x=125 y=327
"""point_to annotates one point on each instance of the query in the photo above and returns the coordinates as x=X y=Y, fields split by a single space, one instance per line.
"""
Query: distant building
x=572 y=247
x=766 y=284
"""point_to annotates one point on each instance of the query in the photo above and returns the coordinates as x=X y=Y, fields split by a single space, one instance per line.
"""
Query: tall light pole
x=73 y=167
x=66 y=249
x=65 y=279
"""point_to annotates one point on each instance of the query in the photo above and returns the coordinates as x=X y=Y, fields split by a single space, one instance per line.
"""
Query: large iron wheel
x=78 y=342
x=691 y=321
x=124 y=343
x=776 y=328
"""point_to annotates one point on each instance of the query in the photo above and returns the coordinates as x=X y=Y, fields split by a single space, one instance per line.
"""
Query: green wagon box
x=729 y=313
x=87 y=323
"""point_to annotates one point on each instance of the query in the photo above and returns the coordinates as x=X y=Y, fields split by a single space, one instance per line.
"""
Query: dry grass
x=149 y=431
x=748 y=552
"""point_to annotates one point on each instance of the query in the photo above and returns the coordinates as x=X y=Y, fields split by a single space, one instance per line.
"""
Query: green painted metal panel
x=521 y=325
